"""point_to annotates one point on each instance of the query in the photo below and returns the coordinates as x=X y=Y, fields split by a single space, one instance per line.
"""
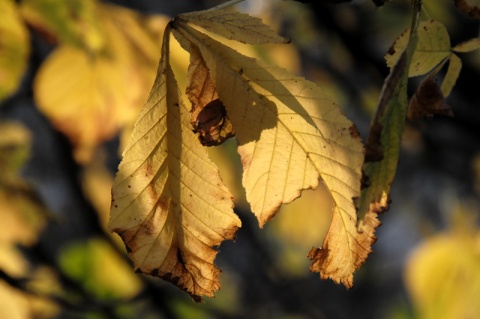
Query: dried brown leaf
x=428 y=101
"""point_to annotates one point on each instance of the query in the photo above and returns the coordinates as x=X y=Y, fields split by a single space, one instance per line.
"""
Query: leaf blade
x=467 y=46
x=433 y=47
x=453 y=72
x=383 y=143
x=289 y=134
x=168 y=202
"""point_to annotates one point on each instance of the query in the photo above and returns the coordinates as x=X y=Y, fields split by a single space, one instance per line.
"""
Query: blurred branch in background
x=73 y=76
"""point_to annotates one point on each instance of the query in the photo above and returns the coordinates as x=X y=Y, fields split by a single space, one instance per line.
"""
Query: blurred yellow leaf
x=169 y=204
x=14 y=48
x=21 y=213
x=97 y=183
x=86 y=97
x=299 y=224
x=15 y=304
x=443 y=275
x=90 y=96
x=22 y=218
x=99 y=269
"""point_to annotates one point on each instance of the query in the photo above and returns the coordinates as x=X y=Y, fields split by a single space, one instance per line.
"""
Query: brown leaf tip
x=319 y=257
x=175 y=280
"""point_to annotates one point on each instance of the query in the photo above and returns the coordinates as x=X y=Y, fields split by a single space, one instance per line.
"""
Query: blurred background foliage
x=73 y=76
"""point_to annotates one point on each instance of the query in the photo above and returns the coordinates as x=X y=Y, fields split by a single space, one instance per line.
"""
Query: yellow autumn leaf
x=99 y=268
x=86 y=98
x=22 y=218
x=169 y=204
x=90 y=96
x=433 y=47
x=453 y=71
x=234 y=26
x=14 y=48
x=290 y=136
x=467 y=46
x=442 y=284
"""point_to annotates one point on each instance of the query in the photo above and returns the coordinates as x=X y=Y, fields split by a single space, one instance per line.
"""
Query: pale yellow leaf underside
x=234 y=26
x=168 y=202
x=290 y=136
x=433 y=47
x=468 y=46
x=454 y=68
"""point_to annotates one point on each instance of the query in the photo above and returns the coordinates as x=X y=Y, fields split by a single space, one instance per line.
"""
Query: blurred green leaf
x=383 y=143
x=99 y=269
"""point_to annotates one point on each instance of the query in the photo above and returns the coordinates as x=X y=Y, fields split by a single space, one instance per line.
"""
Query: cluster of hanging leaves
x=169 y=203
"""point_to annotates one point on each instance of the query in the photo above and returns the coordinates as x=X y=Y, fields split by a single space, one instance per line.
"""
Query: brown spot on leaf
x=354 y=131
x=391 y=50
